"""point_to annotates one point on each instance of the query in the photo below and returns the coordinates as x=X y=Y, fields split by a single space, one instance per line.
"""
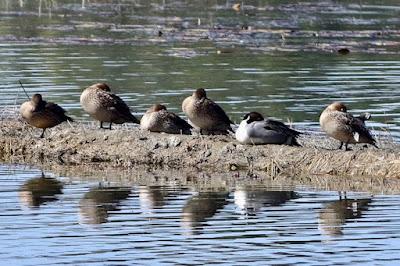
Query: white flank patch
x=356 y=136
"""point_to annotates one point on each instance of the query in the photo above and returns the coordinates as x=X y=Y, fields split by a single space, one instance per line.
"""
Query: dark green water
x=274 y=57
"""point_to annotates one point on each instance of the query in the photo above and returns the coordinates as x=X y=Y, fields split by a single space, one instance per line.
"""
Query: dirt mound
x=127 y=146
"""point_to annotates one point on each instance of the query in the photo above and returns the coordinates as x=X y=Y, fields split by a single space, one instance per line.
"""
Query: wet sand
x=127 y=147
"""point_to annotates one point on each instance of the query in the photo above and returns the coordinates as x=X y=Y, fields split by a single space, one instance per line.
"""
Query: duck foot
x=101 y=126
x=347 y=148
x=340 y=146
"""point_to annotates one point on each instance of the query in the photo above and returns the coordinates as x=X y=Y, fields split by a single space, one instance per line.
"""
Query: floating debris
x=343 y=51
x=236 y=6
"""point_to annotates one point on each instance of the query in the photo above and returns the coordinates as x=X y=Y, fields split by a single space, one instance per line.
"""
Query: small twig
x=24 y=90
x=387 y=127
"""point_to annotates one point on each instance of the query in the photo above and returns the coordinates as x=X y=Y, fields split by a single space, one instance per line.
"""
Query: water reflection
x=199 y=208
x=39 y=190
x=154 y=197
x=335 y=214
x=190 y=226
x=251 y=200
x=95 y=206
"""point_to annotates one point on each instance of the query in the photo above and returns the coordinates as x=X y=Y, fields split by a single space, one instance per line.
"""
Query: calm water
x=52 y=220
x=273 y=57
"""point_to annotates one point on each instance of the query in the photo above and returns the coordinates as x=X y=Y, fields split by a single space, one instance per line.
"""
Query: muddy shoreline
x=127 y=147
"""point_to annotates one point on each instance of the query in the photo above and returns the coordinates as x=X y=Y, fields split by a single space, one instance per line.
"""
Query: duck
x=158 y=119
x=346 y=128
x=42 y=114
x=205 y=115
x=254 y=129
x=103 y=105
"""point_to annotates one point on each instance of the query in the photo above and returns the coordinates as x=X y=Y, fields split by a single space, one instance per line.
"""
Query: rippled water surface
x=275 y=57
x=47 y=220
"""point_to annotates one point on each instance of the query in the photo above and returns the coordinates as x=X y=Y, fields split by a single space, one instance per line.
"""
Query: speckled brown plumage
x=103 y=105
x=158 y=119
x=206 y=115
x=340 y=125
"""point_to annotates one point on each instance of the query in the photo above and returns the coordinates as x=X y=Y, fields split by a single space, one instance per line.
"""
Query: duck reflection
x=200 y=207
x=95 y=206
x=154 y=197
x=335 y=214
x=38 y=191
x=250 y=200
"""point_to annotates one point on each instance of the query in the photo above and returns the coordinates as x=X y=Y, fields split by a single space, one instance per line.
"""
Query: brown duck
x=42 y=114
x=205 y=114
x=158 y=119
x=103 y=105
x=340 y=125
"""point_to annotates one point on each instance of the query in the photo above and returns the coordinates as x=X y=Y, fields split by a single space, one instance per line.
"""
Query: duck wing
x=174 y=122
x=120 y=105
x=55 y=111
x=112 y=101
x=116 y=105
x=357 y=127
x=181 y=123
x=271 y=124
x=214 y=110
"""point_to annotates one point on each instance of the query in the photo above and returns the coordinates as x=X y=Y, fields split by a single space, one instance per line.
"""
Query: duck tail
x=295 y=143
x=364 y=117
x=135 y=120
x=374 y=144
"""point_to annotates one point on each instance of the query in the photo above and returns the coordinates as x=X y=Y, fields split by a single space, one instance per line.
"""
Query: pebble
x=160 y=144
x=207 y=153
x=174 y=141
x=240 y=147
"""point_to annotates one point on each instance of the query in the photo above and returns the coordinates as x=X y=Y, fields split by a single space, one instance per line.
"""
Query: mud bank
x=127 y=146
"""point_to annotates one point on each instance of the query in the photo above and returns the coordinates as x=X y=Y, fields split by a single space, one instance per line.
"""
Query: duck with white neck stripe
x=254 y=129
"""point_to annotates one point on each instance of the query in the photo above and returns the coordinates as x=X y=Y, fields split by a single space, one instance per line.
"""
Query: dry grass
x=9 y=112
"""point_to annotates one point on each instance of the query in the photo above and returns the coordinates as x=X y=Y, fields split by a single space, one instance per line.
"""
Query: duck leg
x=340 y=147
x=42 y=135
x=101 y=126
x=347 y=148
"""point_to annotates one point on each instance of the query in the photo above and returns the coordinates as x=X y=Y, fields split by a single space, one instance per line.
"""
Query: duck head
x=157 y=107
x=102 y=86
x=199 y=93
x=337 y=106
x=36 y=99
x=38 y=102
x=253 y=116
